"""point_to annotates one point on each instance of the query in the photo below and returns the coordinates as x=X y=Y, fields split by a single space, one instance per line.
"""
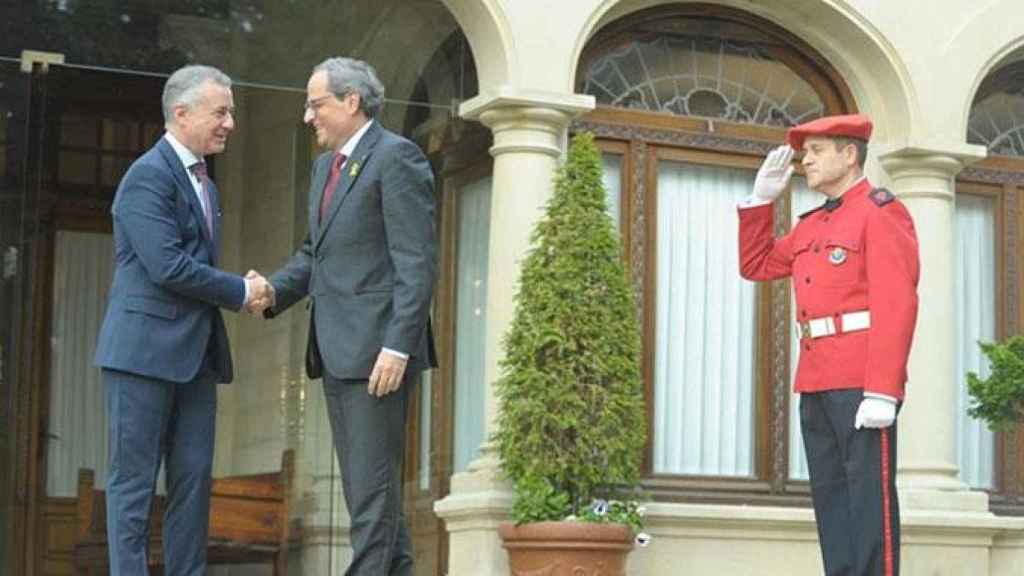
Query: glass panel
x=14 y=94
x=976 y=274
x=474 y=219
x=257 y=41
x=706 y=325
x=803 y=199
x=997 y=113
x=76 y=168
x=731 y=72
x=612 y=179
x=104 y=120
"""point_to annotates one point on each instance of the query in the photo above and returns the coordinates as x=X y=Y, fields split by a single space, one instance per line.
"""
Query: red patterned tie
x=199 y=170
x=332 y=183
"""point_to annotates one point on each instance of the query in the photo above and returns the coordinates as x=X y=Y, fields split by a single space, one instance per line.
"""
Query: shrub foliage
x=571 y=423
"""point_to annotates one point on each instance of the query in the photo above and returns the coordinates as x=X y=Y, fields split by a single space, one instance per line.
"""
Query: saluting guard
x=854 y=266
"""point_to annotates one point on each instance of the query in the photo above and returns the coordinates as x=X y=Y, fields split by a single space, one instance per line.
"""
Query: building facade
x=685 y=98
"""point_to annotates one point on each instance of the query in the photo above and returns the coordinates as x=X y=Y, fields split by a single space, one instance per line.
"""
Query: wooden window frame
x=1002 y=178
x=644 y=138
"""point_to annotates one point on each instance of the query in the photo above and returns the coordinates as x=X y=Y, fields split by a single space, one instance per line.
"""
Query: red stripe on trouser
x=886 y=505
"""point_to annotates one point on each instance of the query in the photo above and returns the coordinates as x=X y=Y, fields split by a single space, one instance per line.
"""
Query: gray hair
x=182 y=88
x=347 y=75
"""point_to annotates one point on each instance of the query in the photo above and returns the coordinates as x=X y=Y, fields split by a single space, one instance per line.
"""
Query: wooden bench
x=249 y=522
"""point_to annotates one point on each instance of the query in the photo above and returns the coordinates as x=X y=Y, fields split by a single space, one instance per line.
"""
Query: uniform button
x=803 y=313
x=817 y=248
x=807 y=347
x=826 y=218
x=808 y=279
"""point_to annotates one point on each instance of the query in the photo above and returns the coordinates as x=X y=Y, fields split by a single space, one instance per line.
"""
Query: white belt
x=826 y=326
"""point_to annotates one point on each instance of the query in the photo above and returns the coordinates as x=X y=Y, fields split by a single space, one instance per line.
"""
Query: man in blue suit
x=163 y=346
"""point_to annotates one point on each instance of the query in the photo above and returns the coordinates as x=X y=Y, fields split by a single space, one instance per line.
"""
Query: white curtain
x=803 y=199
x=474 y=224
x=613 y=186
x=706 y=326
x=77 y=421
x=975 y=320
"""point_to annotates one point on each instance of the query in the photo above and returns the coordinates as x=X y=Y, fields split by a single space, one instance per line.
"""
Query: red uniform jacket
x=860 y=256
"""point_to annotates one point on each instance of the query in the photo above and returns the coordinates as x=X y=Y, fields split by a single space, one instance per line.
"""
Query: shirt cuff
x=245 y=292
x=752 y=202
x=401 y=355
x=885 y=397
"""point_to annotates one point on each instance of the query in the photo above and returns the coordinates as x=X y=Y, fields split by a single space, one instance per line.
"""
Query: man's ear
x=180 y=112
x=354 y=101
x=850 y=154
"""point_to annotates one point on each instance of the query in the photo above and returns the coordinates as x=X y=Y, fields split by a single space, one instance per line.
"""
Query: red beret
x=849 y=125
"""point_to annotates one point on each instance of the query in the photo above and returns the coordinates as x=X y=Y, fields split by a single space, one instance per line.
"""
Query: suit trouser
x=151 y=419
x=369 y=440
x=853 y=485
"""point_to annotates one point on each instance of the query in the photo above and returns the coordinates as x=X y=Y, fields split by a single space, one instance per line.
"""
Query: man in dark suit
x=368 y=265
x=163 y=347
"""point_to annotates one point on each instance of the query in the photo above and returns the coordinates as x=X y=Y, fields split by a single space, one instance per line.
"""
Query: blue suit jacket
x=163 y=307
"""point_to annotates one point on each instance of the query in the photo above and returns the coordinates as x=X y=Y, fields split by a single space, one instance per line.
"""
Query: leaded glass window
x=735 y=79
x=997 y=114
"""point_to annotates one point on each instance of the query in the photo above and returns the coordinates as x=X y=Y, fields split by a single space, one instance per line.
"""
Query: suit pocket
x=151 y=306
x=375 y=289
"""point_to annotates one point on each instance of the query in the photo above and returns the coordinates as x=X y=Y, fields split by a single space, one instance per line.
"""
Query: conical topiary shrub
x=571 y=421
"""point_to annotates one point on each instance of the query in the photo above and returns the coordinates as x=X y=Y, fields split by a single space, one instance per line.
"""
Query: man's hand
x=774 y=174
x=387 y=374
x=261 y=293
x=875 y=412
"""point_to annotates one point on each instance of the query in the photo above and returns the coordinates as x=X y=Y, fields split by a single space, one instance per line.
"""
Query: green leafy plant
x=571 y=418
x=999 y=399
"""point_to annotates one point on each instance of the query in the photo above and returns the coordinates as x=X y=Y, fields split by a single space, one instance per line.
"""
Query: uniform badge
x=837 y=256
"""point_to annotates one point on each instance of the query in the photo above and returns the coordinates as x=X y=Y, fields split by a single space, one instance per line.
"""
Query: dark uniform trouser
x=853 y=485
x=369 y=440
x=151 y=420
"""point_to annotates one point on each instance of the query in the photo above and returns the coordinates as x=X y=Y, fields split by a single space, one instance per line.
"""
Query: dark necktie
x=199 y=171
x=332 y=183
x=832 y=203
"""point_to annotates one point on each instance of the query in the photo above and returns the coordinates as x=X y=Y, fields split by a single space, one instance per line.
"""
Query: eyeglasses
x=316 y=103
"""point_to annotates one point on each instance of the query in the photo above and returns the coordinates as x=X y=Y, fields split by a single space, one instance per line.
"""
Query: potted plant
x=571 y=417
x=999 y=399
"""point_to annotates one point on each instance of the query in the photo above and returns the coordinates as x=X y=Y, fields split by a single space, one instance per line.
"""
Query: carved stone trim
x=1011 y=298
x=675 y=138
x=991 y=175
x=1012 y=247
x=780 y=367
x=638 y=224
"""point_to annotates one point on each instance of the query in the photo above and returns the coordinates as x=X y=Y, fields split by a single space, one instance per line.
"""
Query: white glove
x=774 y=174
x=875 y=412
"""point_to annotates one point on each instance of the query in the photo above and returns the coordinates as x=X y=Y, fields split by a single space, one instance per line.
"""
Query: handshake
x=260 y=292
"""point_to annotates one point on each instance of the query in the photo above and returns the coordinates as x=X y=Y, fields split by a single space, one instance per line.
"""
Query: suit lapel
x=215 y=219
x=317 y=193
x=349 y=174
x=185 y=187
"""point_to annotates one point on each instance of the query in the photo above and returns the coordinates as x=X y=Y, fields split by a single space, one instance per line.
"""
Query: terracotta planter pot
x=567 y=548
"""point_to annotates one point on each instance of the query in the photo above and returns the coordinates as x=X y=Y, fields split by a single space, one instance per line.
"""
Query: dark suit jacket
x=369 y=266
x=163 y=307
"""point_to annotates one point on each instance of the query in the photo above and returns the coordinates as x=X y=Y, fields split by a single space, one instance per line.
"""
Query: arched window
x=988 y=196
x=689 y=99
x=710 y=63
x=997 y=114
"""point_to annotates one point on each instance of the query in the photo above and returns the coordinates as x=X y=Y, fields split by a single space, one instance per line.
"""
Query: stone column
x=529 y=137
x=928 y=472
